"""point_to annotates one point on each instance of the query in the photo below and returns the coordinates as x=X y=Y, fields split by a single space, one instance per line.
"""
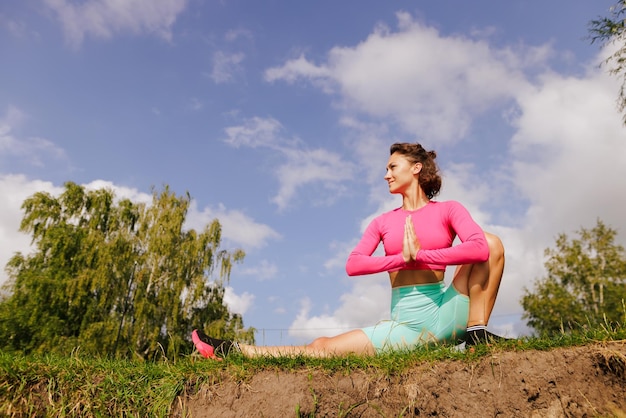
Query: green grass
x=77 y=385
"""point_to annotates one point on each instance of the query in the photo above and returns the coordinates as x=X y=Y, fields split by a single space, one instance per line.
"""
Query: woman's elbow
x=351 y=270
x=353 y=266
x=484 y=253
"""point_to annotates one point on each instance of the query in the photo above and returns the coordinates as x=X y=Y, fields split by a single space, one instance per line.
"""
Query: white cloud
x=237 y=227
x=429 y=85
x=13 y=117
x=226 y=66
x=16 y=28
x=235 y=34
x=363 y=306
x=341 y=251
x=301 y=167
x=238 y=304
x=105 y=18
x=570 y=152
x=308 y=167
x=255 y=132
x=32 y=150
x=14 y=189
x=264 y=270
x=120 y=192
x=295 y=69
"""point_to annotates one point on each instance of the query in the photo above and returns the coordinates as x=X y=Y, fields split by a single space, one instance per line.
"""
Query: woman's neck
x=414 y=201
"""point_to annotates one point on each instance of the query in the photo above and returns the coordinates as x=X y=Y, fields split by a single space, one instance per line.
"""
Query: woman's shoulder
x=389 y=214
x=450 y=207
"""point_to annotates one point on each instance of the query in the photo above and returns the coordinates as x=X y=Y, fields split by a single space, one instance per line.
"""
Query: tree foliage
x=612 y=30
x=585 y=285
x=116 y=277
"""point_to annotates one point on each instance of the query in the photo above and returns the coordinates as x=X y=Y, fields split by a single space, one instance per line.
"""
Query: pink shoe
x=203 y=348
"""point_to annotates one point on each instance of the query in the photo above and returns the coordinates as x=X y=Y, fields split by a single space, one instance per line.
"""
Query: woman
x=417 y=238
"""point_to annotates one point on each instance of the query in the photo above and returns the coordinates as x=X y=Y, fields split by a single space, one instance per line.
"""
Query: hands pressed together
x=411 y=244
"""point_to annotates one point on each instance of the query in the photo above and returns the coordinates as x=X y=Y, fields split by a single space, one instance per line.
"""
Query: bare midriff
x=411 y=277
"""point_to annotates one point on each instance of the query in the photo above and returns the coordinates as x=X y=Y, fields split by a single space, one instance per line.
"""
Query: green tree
x=585 y=286
x=116 y=278
x=612 y=30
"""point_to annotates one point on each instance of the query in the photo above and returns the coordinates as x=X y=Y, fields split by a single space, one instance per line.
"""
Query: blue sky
x=277 y=116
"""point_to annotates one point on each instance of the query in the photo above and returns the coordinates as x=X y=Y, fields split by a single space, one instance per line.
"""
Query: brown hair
x=430 y=179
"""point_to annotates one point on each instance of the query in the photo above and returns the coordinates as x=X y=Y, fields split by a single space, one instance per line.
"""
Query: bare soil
x=587 y=381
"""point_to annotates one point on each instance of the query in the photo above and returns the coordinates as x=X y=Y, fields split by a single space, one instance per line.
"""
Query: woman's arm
x=473 y=247
x=361 y=261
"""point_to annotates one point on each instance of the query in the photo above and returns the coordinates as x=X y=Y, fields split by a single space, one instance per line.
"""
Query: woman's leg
x=351 y=342
x=484 y=283
x=481 y=283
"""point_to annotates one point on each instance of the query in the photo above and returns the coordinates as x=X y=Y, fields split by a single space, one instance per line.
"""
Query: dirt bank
x=585 y=381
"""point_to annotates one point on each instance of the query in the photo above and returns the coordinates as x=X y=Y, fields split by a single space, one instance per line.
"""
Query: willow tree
x=116 y=277
x=585 y=285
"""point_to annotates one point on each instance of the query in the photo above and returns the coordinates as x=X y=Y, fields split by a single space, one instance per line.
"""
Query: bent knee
x=496 y=248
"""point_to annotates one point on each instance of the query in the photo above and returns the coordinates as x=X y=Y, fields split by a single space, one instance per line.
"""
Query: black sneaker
x=220 y=347
x=482 y=336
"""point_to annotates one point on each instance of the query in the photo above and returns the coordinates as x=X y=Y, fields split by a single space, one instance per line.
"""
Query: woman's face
x=401 y=173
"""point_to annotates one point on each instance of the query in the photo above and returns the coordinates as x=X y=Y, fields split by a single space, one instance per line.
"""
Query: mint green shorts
x=421 y=314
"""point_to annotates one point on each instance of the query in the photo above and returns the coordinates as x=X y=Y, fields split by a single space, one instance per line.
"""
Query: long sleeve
x=361 y=261
x=473 y=247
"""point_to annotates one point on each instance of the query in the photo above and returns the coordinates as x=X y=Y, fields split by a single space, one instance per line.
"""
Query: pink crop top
x=436 y=226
